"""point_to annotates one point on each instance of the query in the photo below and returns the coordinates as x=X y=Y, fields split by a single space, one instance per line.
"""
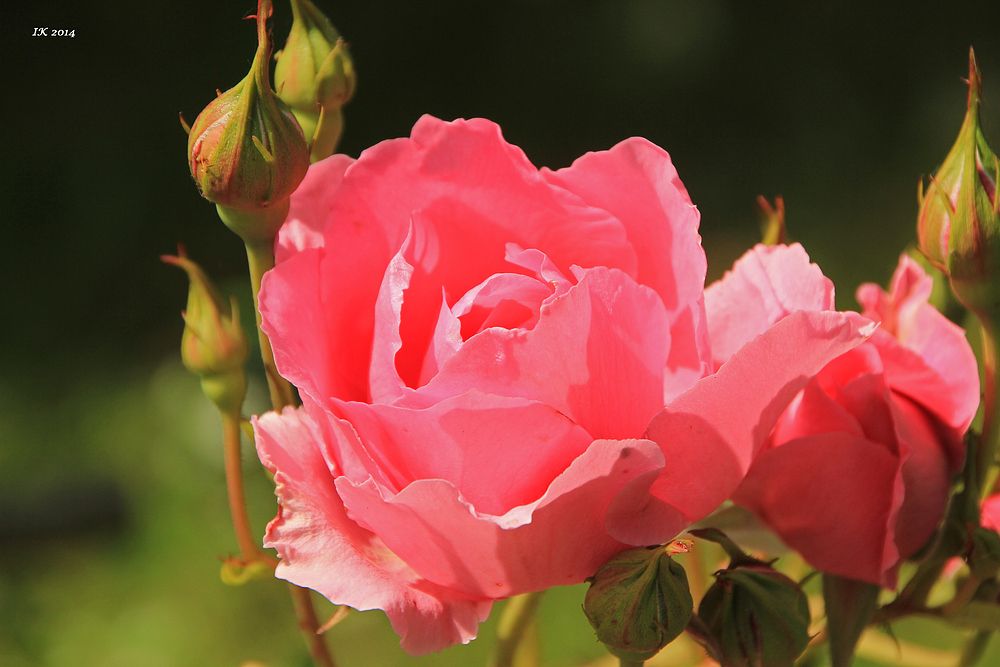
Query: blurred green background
x=112 y=509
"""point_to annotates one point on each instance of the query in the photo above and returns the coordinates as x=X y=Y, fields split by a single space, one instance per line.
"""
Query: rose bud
x=958 y=225
x=758 y=616
x=315 y=77
x=639 y=601
x=213 y=346
x=246 y=150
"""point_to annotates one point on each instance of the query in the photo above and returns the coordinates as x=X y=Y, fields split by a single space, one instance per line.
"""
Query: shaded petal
x=765 y=284
x=597 y=355
x=321 y=548
x=832 y=498
x=710 y=434
x=560 y=539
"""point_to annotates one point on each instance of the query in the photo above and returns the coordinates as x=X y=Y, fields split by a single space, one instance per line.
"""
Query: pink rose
x=480 y=346
x=855 y=475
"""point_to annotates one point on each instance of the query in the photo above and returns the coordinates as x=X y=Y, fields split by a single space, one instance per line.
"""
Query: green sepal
x=850 y=605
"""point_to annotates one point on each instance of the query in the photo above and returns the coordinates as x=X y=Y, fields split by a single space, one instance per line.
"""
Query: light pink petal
x=385 y=385
x=558 y=540
x=711 y=433
x=832 y=498
x=303 y=227
x=515 y=298
x=764 y=285
x=293 y=318
x=637 y=182
x=921 y=329
x=321 y=548
x=597 y=355
x=538 y=263
x=497 y=452
x=445 y=342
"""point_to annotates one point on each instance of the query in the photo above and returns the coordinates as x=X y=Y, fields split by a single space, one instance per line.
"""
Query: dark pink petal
x=321 y=548
x=559 y=539
x=926 y=476
x=813 y=412
x=832 y=498
x=764 y=285
x=498 y=293
x=597 y=355
x=710 y=434
x=497 y=452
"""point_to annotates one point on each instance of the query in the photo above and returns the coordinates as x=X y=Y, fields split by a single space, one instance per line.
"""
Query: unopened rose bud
x=958 y=225
x=246 y=150
x=315 y=76
x=638 y=602
x=984 y=553
x=213 y=346
x=758 y=616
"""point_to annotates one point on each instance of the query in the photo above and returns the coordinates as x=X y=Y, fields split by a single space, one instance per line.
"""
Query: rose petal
x=597 y=355
x=558 y=540
x=764 y=285
x=830 y=497
x=303 y=228
x=321 y=548
x=711 y=433
x=498 y=452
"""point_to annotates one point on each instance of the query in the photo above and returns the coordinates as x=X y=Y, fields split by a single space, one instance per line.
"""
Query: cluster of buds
x=314 y=76
x=959 y=224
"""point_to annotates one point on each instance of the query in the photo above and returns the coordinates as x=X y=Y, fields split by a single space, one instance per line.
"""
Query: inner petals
x=507 y=300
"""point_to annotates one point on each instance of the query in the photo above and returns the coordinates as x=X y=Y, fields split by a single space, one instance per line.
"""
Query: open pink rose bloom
x=507 y=373
x=856 y=474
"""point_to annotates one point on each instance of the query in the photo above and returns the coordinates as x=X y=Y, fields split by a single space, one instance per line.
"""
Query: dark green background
x=837 y=106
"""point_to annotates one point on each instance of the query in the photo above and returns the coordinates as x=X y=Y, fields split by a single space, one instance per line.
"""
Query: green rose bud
x=958 y=225
x=213 y=346
x=246 y=150
x=315 y=76
x=759 y=617
x=639 y=601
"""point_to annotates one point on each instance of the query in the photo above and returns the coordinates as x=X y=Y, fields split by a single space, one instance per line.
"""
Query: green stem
x=328 y=130
x=514 y=623
x=260 y=257
x=632 y=663
x=990 y=440
x=234 y=486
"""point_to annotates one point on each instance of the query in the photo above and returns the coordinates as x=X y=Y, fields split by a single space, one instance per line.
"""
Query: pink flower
x=480 y=346
x=855 y=475
x=990 y=517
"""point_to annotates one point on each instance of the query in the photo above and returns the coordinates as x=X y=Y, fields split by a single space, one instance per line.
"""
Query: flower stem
x=309 y=625
x=632 y=663
x=260 y=257
x=234 y=486
x=990 y=440
x=514 y=623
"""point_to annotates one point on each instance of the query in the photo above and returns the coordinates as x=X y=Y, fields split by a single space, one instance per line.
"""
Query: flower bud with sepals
x=639 y=601
x=213 y=346
x=959 y=224
x=246 y=151
x=758 y=616
x=315 y=76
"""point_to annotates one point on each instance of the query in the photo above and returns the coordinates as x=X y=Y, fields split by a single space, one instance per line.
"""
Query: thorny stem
x=514 y=623
x=260 y=257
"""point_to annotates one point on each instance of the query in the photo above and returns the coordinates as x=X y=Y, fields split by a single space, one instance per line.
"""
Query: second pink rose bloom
x=506 y=373
x=856 y=474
